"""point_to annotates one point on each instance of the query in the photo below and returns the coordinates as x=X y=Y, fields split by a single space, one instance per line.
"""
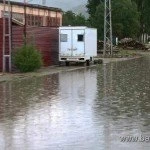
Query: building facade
x=36 y=15
x=38 y=24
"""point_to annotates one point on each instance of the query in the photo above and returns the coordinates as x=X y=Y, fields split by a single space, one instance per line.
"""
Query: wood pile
x=129 y=43
x=100 y=45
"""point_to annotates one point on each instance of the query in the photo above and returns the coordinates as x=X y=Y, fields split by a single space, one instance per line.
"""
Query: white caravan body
x=78 y=44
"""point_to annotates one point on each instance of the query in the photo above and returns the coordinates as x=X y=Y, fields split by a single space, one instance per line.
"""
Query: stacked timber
x=100 y=45
x=129 y=43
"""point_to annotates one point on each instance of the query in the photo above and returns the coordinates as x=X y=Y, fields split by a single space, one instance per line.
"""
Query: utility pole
x=6 y=36
x=108 y=45
x=25 y=22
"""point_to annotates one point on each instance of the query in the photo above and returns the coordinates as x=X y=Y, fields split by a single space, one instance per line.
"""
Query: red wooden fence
x=45 y=39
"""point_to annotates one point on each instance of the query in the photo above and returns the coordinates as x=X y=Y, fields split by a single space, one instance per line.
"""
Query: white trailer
x=77 y=44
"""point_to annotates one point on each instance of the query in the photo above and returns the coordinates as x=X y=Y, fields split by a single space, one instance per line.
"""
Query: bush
x=27 y=59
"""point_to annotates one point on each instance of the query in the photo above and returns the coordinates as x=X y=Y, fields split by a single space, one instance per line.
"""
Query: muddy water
x=87 y=109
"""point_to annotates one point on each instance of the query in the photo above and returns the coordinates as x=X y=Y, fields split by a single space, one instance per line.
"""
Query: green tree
x=92 y=6
x=125 y=18
x=70 y=18
x=144 y=10
x=97 y=20
x=27 y=58
x=80 y=20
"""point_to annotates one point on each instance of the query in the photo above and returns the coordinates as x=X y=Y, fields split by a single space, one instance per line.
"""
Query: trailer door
x=65 y=42
x=78 y=44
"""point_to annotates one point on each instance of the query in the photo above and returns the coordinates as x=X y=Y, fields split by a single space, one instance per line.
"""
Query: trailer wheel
x=87 y=62
x=67 y=63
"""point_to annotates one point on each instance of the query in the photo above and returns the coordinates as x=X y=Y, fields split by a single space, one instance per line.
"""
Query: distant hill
x=80 y=9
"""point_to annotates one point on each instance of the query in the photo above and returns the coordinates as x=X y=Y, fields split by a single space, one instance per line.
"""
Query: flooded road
x=97 y=108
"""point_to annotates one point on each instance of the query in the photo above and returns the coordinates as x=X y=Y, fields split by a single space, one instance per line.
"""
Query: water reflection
x=123 y=100
x=78 y=110
x=21 y=108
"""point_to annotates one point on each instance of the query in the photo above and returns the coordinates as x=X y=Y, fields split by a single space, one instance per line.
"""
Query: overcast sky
x=64 y=4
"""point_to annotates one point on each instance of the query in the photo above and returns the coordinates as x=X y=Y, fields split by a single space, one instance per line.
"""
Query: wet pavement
x=94 y=108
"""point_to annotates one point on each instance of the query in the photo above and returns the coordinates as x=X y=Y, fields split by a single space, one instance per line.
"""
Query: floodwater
x=85 y=109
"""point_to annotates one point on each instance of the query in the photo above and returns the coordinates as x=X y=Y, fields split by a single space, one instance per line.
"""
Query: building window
x=80 y=37
x=63 y=37
x=18 y=16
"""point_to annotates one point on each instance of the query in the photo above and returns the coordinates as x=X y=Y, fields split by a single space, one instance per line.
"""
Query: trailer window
x=63 y=37
x=80 y=37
